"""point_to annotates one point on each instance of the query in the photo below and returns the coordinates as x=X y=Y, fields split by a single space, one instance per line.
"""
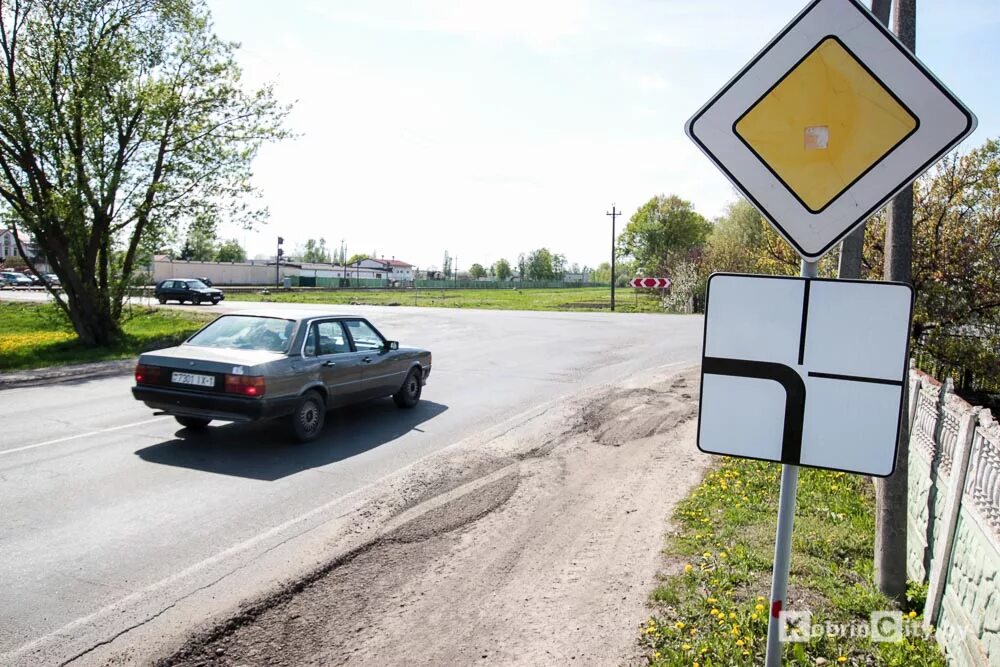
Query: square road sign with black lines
x=805 y=371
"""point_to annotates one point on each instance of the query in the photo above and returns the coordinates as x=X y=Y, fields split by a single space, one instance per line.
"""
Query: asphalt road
x=113 y=517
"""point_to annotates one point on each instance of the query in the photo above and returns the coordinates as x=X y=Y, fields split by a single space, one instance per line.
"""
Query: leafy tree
x=502 y=269
x=742 y=241
x=602 y=274
x=354 y=259
x=521 y=265
x=558 y=265
x=685 y=283
x=956 y=264
x=476 y=271
x=539 y=265
x=665 y=230
x=119 y=120
x=315 y=252
x=200 y=243
x=231 y=251
x=446 y=265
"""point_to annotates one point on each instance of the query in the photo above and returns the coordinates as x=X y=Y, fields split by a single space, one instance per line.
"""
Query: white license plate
x=192 y=378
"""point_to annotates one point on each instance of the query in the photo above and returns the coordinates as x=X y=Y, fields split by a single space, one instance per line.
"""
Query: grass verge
x=713 y=609
x=571 y=299
x=34 y=335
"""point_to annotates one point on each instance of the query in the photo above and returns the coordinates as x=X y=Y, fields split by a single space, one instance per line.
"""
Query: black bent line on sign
x=856 y=378
x=795 y=396
x=805 y=321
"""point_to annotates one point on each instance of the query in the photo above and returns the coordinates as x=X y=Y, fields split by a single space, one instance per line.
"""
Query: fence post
x=914 y=395
x=953 y=503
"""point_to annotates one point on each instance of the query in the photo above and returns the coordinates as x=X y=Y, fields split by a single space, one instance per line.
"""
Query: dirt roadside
x=548 y=558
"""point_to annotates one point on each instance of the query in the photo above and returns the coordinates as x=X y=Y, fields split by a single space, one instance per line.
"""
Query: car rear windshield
x=196 y=284
x=246 y=332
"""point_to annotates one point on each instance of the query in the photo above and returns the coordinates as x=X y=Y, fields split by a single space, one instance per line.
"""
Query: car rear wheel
x=196 y=300
x=308 y=418
x=193 y=423
x=161 y=299
x=409 y=394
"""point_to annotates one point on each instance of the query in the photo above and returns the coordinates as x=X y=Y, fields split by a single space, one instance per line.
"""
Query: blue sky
x=492 y=128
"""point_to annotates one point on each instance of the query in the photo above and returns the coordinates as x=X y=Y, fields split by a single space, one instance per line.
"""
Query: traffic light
x=281 y=253
x=280 y=240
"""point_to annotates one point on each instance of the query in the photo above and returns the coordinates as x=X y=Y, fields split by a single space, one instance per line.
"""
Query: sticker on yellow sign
x=825 y=124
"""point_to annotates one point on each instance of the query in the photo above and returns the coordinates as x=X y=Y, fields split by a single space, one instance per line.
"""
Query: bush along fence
x=953 y=536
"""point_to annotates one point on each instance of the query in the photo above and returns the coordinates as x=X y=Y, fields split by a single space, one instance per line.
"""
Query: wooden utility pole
x=852 y=247
x=614 y=214
x=891 y=492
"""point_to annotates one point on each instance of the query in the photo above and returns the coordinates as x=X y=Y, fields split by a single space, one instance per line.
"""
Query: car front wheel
x=196 y=300
x=409 y=394
x=307 y=420
x=193 y=423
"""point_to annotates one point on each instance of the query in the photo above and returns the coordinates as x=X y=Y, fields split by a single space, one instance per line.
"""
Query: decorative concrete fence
x=953 y=536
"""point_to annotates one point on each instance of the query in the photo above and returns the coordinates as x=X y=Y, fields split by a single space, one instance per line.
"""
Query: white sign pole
x=783 y=540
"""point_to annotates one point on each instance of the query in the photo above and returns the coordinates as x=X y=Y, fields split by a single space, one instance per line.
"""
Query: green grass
x=569 y=299
x=34 y=335
x=713 y=610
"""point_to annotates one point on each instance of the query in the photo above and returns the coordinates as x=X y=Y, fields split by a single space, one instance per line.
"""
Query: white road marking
x=77 y=436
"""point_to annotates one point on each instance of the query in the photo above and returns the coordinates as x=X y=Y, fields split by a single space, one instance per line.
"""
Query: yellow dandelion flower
x=694 y=631
x=679 y=625
x=711 y=600
x=687 y=568
x=912 y=614
x=714 y=612
x=732 y=614
x=739 y=642
x=758 y=607
x=707 y=554
x=686 y=647
x=722 y=554
x=842 y=659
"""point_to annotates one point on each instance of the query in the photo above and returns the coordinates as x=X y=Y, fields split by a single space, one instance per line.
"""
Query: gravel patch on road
x=533 y=552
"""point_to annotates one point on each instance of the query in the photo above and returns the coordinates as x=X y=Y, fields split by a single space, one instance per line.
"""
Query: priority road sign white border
x=943 y=121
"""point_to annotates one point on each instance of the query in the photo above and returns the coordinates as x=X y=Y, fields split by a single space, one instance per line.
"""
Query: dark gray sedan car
x=278 y=364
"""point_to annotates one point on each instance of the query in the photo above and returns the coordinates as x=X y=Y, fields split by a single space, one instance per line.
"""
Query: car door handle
x=366 y=360
x=329 y=363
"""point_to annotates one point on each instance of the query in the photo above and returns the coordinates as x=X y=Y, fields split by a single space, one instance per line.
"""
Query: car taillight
x=245 y=385
x=147 y=374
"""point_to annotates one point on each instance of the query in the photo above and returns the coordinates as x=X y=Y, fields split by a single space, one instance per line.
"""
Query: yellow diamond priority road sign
x=827 y=123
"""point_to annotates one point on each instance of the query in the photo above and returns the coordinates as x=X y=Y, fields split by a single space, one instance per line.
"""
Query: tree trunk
x=91 y=315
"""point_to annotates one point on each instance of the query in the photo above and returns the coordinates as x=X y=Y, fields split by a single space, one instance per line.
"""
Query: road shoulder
x=538 y=546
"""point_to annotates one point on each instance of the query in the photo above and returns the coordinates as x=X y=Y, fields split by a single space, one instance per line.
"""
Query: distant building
x=576 y=277
x=8 y=248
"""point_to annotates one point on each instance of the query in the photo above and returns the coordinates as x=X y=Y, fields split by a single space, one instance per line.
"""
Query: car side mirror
x=392 y=345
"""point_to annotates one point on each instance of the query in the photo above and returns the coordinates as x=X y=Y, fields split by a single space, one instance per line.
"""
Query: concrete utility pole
x=614 y=214
x=852 y=247
x=891 y=492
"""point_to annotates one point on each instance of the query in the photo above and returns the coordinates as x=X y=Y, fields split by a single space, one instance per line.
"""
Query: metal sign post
x=783 y=540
